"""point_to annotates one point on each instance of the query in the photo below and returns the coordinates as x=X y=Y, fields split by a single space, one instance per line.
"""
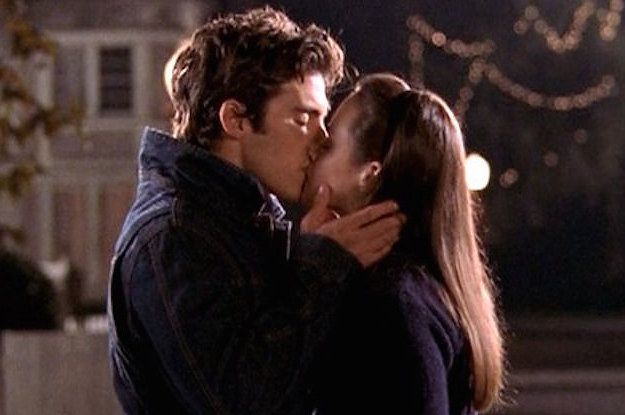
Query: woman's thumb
x=322 y=199
x=319 y=212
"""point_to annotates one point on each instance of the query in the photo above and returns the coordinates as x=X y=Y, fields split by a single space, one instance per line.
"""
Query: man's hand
x=368 y=234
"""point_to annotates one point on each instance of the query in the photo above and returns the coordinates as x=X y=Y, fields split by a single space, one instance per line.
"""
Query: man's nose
x=323 y=133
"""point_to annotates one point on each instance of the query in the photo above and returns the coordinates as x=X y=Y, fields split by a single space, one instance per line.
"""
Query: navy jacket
x=206 y=315
x=395 y=348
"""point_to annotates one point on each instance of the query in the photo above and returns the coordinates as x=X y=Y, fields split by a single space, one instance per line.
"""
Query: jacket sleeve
x=224 y=348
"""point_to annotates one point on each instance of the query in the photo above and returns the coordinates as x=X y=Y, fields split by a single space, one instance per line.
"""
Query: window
x=116 y=89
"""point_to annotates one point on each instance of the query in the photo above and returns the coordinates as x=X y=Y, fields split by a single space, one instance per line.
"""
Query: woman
x=420 y=335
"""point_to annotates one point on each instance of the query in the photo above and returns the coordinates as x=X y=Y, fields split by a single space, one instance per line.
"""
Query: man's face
x=336 y=166
x=279 y=153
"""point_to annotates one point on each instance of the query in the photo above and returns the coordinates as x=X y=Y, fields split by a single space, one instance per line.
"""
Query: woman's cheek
x=317 y=172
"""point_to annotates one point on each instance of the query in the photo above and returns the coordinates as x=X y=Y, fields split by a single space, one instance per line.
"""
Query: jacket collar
x=196 y=171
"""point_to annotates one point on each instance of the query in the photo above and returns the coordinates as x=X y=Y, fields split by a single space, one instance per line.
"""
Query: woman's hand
x=368 y=234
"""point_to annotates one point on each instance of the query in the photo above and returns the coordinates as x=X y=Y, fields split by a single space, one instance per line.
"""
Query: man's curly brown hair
x=246 y=57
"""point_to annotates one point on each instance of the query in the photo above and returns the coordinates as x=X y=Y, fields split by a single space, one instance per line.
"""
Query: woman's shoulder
x=416 y=295
x=419 y=294
x=405 y=281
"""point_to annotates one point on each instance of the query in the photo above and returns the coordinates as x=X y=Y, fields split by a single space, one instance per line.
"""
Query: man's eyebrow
x=313 y=110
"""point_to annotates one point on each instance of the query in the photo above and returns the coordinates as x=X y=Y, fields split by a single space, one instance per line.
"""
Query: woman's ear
x=369 y=177
x=233 y=120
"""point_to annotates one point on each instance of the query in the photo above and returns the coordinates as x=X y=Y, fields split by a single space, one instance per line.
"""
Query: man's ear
x=233 y=119
x=369 y=177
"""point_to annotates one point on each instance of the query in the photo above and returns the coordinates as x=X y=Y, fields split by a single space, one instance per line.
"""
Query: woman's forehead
x=347 y=109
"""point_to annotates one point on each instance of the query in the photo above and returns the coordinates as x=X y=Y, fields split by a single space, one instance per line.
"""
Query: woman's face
x=336 y=166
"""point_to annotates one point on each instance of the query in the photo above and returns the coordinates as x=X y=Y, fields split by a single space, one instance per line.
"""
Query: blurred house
x=109 y=61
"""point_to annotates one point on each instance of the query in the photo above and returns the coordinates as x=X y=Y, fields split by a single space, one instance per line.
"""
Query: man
x=214 y=306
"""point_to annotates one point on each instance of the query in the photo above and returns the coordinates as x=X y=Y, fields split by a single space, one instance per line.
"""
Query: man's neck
x=228 y=150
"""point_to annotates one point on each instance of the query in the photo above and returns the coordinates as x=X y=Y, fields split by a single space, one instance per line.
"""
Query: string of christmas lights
x=452 y=46
x=480 y=68
x=609 y=21
x=535 y=99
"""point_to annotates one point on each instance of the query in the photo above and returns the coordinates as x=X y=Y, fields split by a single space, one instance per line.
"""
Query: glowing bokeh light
x=477 y=172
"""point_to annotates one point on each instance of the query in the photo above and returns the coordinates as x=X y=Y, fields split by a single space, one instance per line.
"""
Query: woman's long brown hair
x=420 y=145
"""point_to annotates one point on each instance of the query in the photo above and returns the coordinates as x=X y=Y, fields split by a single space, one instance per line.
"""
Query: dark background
x=555 y=238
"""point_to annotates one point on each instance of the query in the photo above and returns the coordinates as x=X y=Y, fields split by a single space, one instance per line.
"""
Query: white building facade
x=109 y=62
